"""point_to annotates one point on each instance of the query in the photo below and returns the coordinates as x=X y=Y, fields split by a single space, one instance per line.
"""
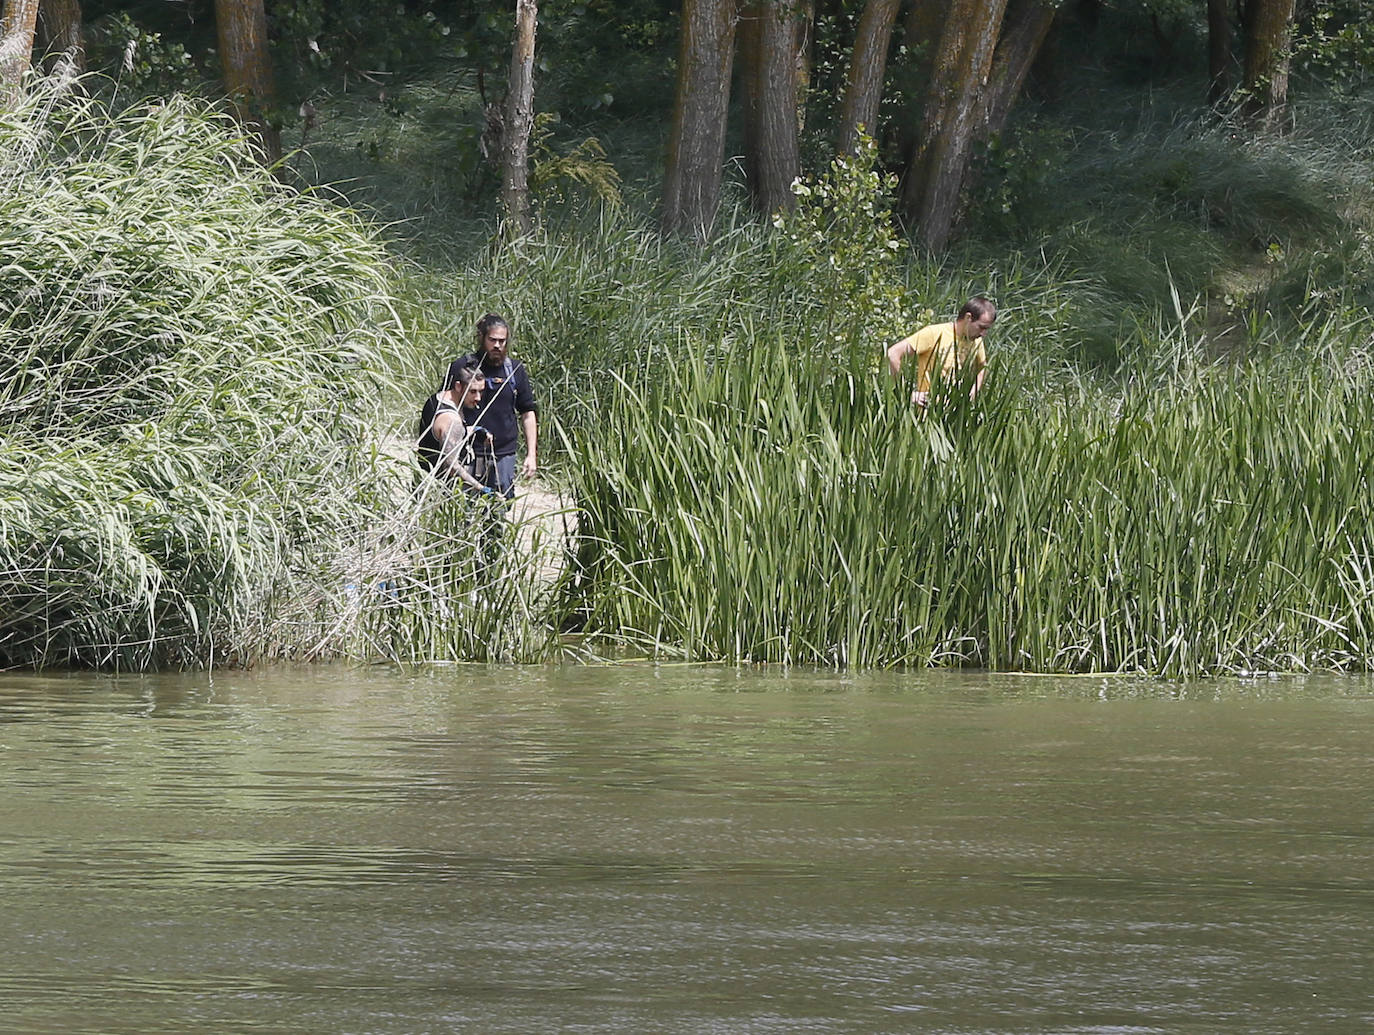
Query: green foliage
x=840 y=243
x=601 y=295
x=742 y=496
x=141 y=61
x=1018 y=172
x=1335 y=44
x=832 y=42
x=352 y=37
x=581 y=171
x=410 y=157
x=177 y=487
x=599 y=57
x=1210 y=521
x=351 y=43
x=591 y=293
x=190 y=358
x=1161 y=204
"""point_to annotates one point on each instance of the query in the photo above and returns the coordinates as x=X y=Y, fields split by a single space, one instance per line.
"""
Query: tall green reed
x=1217 y=522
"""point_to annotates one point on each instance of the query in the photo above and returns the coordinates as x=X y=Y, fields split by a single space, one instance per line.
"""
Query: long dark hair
x=487 y=323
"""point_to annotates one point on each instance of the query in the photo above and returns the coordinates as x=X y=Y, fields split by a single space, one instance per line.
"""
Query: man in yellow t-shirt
x=946 y=351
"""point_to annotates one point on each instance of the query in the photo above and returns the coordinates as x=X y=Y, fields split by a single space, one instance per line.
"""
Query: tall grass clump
x=192 y=365
x=453 y=578
x=1214 y=521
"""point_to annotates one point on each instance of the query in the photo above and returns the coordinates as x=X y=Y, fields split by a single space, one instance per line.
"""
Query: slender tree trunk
x=241 y=26
x=806 y=39
x=59 y=37
x=784 y=106
x=1218 y=51
x=949 y=123
x=1024 y=32
x=18 y=19
x=770 y=34
x=519 y=118
x=867 y=68
x=1268 y=43
x=748 y=57
x=696 y=145
x=925 y=20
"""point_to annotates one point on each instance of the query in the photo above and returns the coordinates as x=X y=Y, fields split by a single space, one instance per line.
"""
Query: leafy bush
x=1335 y=43
x=140 y=60
x=840 y=247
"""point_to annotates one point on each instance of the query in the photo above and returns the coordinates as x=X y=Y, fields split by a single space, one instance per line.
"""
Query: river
x=684 y=849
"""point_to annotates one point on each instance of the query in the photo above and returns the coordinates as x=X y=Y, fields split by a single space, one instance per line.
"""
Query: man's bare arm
x=530 y=424
x=452 y=435
x=896 y=354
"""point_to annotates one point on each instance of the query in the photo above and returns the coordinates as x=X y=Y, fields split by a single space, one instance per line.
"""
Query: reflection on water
x=683 y=849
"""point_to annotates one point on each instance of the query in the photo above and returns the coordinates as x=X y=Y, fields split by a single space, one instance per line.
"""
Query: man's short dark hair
x=460 y=372
x=978 y=307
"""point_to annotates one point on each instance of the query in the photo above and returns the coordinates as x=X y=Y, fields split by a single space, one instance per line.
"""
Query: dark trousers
x=497 y=473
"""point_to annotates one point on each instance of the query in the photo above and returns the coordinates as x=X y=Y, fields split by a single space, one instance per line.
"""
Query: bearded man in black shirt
x=507 y=407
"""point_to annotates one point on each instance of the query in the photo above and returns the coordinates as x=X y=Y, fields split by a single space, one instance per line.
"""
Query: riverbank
x=190 y=473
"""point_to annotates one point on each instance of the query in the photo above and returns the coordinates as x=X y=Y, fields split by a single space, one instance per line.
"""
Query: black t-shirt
x=507 y=395
x=428 y=445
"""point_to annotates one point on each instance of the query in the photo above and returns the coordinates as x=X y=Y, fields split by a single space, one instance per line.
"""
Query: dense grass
x=1144 y=195
x=1214 y=521
x=190 y=357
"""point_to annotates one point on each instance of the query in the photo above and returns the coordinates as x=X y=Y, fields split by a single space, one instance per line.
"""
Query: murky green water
x=684 y=850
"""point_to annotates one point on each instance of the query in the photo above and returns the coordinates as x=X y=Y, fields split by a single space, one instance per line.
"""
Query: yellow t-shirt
x=938 y=347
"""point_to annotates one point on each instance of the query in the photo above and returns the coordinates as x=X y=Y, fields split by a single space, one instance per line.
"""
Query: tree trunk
x=867 y=69
x=696 y=145
x=748 y=57
x=1218 y=51
x=1268 y=40
x=921 y=29
x=519 y=118
x=241 y=26
x=771 y=149
x=59 y=37
x=806 y=42
x=1023 y=34
x=949 y=123
x=17 y=24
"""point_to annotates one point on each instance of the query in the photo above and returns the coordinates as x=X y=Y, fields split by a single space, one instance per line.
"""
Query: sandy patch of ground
x=545 y=522
x=545 y=519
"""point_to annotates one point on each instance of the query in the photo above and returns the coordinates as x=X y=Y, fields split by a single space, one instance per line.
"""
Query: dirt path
x=545 y=523
x=545 y=520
